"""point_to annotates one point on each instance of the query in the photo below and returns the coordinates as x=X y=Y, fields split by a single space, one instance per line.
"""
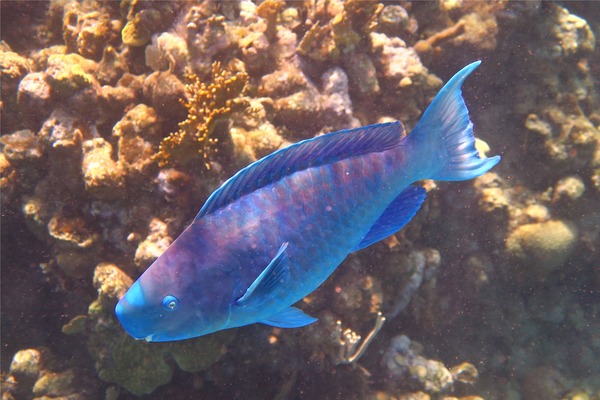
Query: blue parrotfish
x=277 y=229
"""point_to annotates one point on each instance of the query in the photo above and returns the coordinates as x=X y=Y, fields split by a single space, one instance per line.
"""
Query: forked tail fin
x=446 y=130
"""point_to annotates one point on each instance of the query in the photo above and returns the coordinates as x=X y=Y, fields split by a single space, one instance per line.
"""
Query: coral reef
x=87 y=29
x=208 y=105
x=154 y=245
x=13 y=67
x=32 y=372
x=501 y=272
x=543 y=247
x=404 y=363
x=167 y=52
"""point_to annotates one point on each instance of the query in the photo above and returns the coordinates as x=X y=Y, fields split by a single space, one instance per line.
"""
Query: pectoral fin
x=290 y=317
x=273 y=276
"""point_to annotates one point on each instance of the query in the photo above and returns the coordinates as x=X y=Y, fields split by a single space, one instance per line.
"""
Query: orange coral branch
x=206 y=104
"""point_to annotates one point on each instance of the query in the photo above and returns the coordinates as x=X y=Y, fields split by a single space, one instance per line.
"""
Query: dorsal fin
x=308 y=153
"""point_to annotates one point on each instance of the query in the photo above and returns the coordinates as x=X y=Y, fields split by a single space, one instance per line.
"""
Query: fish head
x=168 y=302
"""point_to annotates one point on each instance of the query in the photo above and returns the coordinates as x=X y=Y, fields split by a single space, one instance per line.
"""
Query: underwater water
x=119 y=119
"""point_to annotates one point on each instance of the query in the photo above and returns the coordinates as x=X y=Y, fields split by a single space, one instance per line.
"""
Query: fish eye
x=170 y=302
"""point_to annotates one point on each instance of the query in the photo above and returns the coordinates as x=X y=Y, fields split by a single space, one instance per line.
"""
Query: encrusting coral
x=207 y=104
x=339 y=28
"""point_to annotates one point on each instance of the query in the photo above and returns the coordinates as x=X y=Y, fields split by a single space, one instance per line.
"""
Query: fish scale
x=303 y=226
x=278 y=228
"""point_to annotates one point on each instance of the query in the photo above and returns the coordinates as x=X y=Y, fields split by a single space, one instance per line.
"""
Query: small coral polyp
x=206 y=105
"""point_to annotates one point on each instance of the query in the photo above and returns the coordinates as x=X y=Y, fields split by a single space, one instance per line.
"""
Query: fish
x=276 y=230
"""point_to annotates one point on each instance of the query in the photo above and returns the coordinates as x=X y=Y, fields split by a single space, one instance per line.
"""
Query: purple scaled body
x=275 y=231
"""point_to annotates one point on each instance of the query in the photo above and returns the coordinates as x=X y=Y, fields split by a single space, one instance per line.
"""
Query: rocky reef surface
x=120 y=118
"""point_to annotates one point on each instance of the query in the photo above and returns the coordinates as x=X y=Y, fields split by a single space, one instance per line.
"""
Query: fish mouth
x=124 y=317
x=134 y=313
x=150 y=338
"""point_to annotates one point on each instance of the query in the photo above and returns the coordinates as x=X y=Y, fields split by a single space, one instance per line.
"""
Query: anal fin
x=290 y=317
x=396 y=215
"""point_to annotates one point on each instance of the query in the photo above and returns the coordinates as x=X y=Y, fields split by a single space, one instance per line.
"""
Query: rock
x=393 y=20
x=173 y=184
x=301 y=110
x=34 y=95
x=54 y=384
x=408 y=274
x=493 y=199
x=8 y=180
x=154 y=17
x=21 y=147
x=75 y=326
x=141 y=121
x=157 y=241
x=406 y=366
x=405 y=82
x=207 y=35
x=362 y=75
x=111 y=283
x=64 y=129
x=167 y=52
x=257 y=54
x=283 y=82
x=102 y=176
x=398 y=61
x=572 y=34
x=71 y=232
x=87 y=31
x=137 y=366
x=25 y=367
x=75 y=263
x=568 y=142
x=126 y=94
x=335 y=100
x=112 y=67
x=134 y=35
x=137 y=131
x=68 y=73
x=253 y=135
x=115 y=100
x=13 y=68
x=536 y=212
x=199 y=355
x=542 y=247
x=255 y=143
x=544 y=383
x=74 y=84
x=569 y=188
x=163 y=90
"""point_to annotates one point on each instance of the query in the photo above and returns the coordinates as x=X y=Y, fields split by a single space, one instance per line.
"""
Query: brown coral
x=87 y=30
x=342 y=33
x=269 y=10
x=207 y=104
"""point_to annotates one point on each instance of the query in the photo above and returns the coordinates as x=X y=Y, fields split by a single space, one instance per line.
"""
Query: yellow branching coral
x=269 y=9
x=206 y=104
